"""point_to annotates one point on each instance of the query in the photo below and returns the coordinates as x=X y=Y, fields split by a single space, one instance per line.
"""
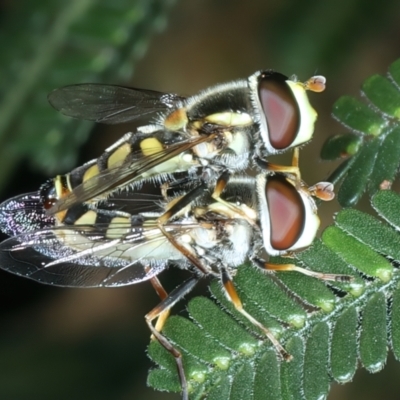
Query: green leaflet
x=370 y=231
x=357 y=254
x=243 y=382
x=260 y=289
x=362 y=119
x=266 y=378
x=386 y=204
x=316 y=362
x=386 y=162
x=220 y=326
x=292 y=372
x=261 y=315
x=344 y=346
x=395 y=326
x=383 y=94
x=340 y=146
x=373 y=145
x=373 y=338
x=359 y=173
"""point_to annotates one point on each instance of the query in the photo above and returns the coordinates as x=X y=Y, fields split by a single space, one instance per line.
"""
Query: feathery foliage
x=373 y=144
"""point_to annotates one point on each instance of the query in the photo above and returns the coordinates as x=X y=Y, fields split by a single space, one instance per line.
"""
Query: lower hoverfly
x=209 y=231
x=222 y=127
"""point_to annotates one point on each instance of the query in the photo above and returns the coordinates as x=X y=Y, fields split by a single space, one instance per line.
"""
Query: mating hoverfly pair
x=165 y=195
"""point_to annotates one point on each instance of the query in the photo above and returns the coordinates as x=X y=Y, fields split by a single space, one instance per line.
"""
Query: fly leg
x=233 y=296
x=322 y=190
x=178 y=185
x=222 y=181
x=162 y=308
x=285 y=169
x=292 y=267
x=176 y=208
x=162 y=294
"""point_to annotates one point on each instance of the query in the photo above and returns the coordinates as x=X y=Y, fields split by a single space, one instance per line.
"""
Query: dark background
x=90 y=344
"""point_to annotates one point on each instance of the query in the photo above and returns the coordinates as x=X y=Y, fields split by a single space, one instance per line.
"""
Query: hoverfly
x=222 y=127
x=207 y=231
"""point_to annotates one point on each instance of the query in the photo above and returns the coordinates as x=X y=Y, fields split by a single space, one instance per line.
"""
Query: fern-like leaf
x=374 y=141
x=326 y=328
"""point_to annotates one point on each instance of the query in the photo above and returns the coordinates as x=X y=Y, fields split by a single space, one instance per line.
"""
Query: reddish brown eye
x=281 y=111
x=287 y=212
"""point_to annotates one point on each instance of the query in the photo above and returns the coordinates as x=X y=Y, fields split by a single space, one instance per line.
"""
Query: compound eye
x=287 y=212
x=280 y=108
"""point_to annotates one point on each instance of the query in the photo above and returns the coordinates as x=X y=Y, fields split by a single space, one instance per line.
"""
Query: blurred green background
x=90 y=344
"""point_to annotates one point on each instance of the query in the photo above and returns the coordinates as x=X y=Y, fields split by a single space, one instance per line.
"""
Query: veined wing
x=86 y=255
x=110 y=104
x=128 y=172
x=25 y=213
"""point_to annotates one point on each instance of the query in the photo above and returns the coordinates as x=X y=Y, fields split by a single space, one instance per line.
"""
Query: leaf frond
x=373 y=145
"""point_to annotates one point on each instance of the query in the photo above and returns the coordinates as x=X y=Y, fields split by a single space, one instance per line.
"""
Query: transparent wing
x=25 y=213
x=84 y=256
x=116 y=178
x=110 y=104
x=24 y=260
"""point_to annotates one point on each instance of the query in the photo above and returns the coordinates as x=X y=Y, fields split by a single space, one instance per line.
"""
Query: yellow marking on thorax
x=150 y=146
x=58 y=186
x=68 y=181
x=90 y=172
x=61 y=191
x=119 y=155
x=119 y=226
x=230 y=119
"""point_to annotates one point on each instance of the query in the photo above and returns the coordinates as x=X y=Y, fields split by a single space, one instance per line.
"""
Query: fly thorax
x=204 y=237
x=239 y=143
x=205 y=150
x=234 y=148
x=239 y=236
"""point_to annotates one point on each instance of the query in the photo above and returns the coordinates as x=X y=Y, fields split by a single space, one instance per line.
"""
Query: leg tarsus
x=163 y=307
x=233 y=296
x=292 y=267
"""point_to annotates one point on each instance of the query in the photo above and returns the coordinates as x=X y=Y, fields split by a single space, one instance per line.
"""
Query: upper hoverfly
x=209 y=231
x=222 y=127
